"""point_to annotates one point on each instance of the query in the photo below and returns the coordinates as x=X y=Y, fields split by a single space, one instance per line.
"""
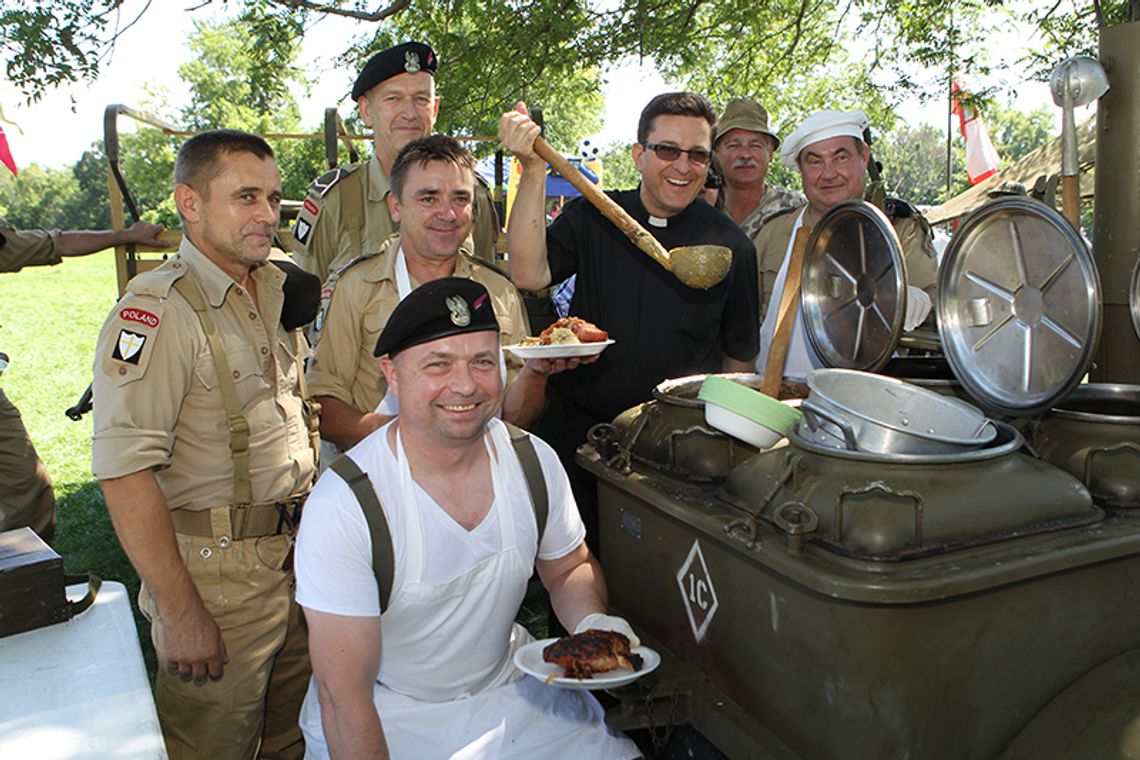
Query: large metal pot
x=670 y=434
x=860 y=411
x=1094 y=434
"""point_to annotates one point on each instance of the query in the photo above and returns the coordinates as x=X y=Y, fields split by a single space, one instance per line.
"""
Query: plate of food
x=593 y=659
x=567 y=338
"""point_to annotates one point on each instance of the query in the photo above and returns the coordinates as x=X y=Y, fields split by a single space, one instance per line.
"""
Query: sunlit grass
x=51 y=318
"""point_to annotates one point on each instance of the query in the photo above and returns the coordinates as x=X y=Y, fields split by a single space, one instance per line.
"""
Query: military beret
x=820 y=126
x=410 y=58
x=437 y=309
x=744 y=114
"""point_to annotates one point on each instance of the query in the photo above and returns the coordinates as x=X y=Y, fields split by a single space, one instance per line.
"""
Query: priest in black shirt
x=661 y=328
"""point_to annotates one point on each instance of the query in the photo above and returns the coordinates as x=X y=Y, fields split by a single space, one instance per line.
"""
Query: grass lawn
x=51 y=318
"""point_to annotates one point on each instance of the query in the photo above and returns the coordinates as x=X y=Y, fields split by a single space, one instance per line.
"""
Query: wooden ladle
x=698 y=266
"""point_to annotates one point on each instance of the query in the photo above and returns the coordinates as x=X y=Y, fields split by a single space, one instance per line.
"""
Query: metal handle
x=811 y=412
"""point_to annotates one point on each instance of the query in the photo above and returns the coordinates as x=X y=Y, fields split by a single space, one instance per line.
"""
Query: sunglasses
x=698 y=156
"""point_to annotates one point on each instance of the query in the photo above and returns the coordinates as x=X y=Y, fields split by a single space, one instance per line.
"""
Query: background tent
x=1044 y=161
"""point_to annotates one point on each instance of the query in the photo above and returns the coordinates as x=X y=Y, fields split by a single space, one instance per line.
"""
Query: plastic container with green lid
x=745 y=413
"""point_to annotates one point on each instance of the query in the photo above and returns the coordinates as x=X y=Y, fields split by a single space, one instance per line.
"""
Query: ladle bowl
x=700 y=266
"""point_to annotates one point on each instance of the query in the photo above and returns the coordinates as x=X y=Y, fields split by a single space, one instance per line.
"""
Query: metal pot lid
x=1134 y=298
x=1018 y=306
x=853 y=295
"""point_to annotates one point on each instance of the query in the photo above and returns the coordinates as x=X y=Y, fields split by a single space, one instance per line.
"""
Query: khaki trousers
x=26 y=496
x=252 y=710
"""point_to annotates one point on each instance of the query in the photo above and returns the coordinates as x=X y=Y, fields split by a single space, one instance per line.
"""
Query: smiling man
x=346 y=212
x=662 y=328
x=829 y=152
x=432 y=194
x=202 y=448
x=744 y=147
x=424 y=668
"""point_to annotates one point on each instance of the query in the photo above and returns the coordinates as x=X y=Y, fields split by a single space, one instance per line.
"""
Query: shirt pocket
x=204 y=408
x=373 y=323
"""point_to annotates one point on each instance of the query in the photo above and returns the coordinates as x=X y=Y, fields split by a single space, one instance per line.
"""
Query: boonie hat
x=1008 y=187
x=744 y=114
x=822 y=125
x=408 y=58
x=437 y=309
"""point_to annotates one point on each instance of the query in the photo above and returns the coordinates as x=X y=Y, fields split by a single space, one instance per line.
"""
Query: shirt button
x=264 y=350
x=122 y=370
x=177 y=265
x=252 y=315
x=224 y=542
x=236 y=374
x=206 y=552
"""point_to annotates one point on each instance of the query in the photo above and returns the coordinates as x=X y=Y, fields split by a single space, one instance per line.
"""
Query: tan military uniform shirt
x=366 y=293
x=776 y=200
x=772 y=246
x=25 y=248
x=323 y=243
x=159 y=405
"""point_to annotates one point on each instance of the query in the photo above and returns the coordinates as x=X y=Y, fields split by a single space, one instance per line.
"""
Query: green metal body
x=1095 y=435
x=802 y=614
x=1116 y=242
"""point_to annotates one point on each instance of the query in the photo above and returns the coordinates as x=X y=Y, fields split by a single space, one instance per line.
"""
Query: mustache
x=743 y=163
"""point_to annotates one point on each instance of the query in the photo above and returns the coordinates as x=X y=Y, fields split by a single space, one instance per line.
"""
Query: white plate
x=529 y=660
x=560 y=351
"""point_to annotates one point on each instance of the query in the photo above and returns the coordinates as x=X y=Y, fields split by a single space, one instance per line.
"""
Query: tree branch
x=379 y=15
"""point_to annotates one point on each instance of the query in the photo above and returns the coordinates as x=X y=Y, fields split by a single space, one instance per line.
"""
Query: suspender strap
x=532 y=471
x=383 y=558
x=236 y=421
x=352 y=212
x=311 y=407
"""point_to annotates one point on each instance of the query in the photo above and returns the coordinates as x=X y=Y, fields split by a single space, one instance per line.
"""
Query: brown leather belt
x=250 y=521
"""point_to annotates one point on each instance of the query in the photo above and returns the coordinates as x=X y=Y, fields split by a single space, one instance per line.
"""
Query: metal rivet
x=206 y=553
x=224 y=542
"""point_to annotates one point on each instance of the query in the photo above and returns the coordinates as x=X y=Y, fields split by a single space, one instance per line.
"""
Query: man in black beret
x=452 y=487
x=346 y=214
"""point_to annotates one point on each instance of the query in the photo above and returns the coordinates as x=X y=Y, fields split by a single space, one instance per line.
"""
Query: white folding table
x=79 y=689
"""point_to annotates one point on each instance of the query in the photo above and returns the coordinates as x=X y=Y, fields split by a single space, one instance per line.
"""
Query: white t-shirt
x=334 y=547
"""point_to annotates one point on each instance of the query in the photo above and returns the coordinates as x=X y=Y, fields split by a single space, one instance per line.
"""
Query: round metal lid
x=1018 y=306
x=1134 y=298
x=853 y=288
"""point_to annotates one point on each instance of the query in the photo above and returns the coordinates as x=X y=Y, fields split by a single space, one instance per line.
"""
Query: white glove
x=918 y=306
x=604 y=622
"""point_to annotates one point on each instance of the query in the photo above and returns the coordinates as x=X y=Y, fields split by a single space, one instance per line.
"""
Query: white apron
x=450 y=688
x=802 y=358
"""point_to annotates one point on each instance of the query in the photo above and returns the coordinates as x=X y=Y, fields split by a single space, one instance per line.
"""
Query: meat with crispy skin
x=593 y=651
x=565 y=327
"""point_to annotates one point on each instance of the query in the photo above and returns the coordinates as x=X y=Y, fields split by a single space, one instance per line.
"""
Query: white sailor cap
x=822 y=125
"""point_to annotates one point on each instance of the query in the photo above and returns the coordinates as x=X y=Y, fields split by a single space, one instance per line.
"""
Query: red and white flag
x=6 y=153
x=981 y=158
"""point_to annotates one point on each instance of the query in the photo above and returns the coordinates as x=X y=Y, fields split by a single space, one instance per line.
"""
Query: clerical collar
x=657 y=221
